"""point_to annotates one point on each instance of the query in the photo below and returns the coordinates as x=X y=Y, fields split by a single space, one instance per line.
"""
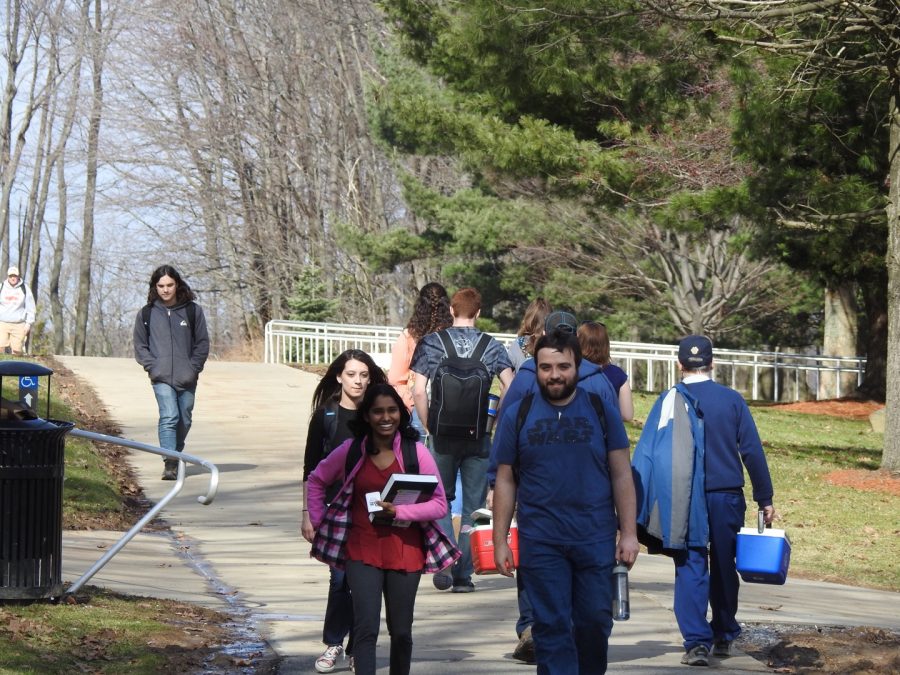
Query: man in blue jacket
x=171 y=343
x=728 y=442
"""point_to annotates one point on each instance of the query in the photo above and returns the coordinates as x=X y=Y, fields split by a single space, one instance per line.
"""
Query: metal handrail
x=183 y=457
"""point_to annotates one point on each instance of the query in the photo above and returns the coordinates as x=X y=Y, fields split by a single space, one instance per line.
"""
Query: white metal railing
x=773 y=376
x=182 y=457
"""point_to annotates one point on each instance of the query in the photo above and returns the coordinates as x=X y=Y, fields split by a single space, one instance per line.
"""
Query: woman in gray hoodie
x=172 y=344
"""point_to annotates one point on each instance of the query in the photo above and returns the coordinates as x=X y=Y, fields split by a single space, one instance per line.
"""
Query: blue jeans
x=465 y=459
x=570 y=588
x=416 y=424
x=338 y=611
x=175 y=410
x=703 y=580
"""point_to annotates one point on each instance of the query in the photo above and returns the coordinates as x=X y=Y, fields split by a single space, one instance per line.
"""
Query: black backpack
x=459 y=392
x=191 y=317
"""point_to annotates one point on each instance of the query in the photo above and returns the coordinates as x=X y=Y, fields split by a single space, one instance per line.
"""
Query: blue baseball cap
x=695 y=351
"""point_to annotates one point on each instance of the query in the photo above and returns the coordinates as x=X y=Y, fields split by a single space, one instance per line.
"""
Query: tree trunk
x=82 y=304
x=891 y=458
x=841 y=329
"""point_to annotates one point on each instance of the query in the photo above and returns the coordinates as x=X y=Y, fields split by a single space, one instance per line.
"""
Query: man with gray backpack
x=459 y=363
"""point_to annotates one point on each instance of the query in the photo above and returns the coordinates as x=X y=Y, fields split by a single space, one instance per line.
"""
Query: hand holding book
x=401 y=489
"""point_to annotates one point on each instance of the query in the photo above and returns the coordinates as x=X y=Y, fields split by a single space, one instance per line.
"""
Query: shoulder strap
x=329 y=422
x=192 y=320
x=597 y=402
x=449 y=347
x=521 y=416
x=410 y=455
x=353 y=456
x=690 y=398
x=481 y=347
x=145 y=315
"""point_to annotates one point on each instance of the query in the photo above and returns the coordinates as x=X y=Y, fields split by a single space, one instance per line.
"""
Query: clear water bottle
x=621 y=609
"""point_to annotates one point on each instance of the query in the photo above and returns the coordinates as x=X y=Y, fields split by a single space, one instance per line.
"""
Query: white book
x=404 y=488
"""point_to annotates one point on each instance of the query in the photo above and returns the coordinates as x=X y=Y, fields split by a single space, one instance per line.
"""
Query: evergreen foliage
x=309 y=300
x=595 y=140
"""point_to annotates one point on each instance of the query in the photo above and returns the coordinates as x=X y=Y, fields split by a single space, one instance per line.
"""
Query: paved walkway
x=244 y=551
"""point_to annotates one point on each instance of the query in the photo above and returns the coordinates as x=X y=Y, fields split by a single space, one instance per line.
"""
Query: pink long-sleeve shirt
x=331 y=469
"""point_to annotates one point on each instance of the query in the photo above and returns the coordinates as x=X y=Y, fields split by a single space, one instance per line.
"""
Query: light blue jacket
x=670 y=478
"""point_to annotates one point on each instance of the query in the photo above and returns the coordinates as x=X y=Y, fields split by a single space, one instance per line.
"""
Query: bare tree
x=100 y=24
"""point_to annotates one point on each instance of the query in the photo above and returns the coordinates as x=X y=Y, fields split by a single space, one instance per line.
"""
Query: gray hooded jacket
x=166 y=349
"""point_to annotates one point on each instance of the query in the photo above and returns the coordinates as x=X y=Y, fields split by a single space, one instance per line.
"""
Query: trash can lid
x=23 y=368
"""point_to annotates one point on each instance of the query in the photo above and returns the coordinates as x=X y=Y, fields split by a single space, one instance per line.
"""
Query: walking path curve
x=244 y=551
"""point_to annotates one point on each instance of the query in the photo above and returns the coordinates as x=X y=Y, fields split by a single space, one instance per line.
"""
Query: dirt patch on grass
x=809 y=649
x=869 y=481
x=848 y=408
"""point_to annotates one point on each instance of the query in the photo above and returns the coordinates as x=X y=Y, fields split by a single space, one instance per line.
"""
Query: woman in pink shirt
x=430 y=313
x=379 y=560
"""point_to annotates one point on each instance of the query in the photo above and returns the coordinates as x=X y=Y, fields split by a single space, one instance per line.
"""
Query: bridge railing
x=771 y=376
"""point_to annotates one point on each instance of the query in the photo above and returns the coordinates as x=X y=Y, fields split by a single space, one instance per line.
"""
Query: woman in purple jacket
x=379 y=559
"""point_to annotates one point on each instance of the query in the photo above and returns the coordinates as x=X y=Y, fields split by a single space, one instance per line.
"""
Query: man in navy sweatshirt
x=732 y=443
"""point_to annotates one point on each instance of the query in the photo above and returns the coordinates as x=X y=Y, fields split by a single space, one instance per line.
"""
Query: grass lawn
x=837 y=533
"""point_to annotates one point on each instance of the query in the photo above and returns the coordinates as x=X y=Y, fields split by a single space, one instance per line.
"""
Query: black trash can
x=32 y=464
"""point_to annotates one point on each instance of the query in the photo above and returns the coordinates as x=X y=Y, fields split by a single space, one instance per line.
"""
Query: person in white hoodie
x=16 y=312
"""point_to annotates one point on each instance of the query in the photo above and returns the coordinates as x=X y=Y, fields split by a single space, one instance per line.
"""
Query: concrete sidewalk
x=244 y=550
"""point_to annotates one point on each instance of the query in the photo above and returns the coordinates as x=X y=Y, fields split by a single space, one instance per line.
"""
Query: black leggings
x=367 y=584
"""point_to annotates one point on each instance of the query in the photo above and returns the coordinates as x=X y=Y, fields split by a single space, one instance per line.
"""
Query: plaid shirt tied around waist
x=331 y=537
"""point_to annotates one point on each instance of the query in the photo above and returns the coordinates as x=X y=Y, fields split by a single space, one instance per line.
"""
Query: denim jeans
x=472 y=468
x=570 y=588
x=338 y=611
x=175 y=410
x=416 y=424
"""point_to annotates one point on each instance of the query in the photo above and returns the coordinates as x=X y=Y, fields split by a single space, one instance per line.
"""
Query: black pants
x=367 y=584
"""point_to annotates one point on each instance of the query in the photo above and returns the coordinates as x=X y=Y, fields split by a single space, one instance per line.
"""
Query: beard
x=557 y=390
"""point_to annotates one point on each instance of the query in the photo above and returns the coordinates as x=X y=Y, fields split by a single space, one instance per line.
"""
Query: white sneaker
x=328 y=661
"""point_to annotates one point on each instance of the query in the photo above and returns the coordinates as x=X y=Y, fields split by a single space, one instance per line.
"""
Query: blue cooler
x=763 y=555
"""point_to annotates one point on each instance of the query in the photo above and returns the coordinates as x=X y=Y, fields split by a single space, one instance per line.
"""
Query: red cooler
x=482 y=543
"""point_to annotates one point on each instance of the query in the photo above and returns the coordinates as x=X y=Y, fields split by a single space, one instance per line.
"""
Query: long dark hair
x=361 y=428
x=329 y=389
x=431 y=312
x=183 y=292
